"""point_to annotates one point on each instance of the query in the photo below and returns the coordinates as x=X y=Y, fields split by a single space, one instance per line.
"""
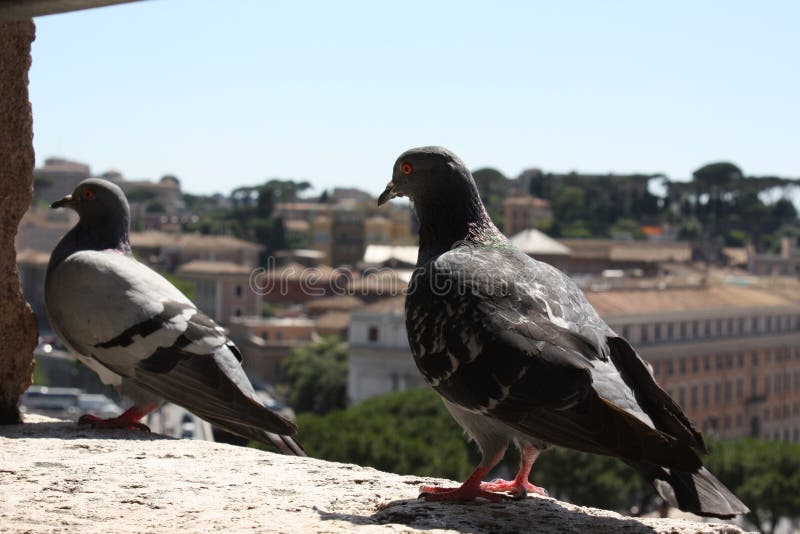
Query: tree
x=492 y=187
x=155 y=206
x=408 y=432
x=764 y=474
x=317 y=376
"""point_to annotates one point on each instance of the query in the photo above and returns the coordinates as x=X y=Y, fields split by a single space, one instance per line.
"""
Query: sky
x=227 y=93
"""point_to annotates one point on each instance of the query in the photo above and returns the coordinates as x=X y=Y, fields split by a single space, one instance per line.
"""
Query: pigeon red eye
x=406 y=168
x=88 y=194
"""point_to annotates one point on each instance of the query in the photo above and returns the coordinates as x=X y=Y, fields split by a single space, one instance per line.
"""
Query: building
x=266 y=342
x=785 y=263
x=222 y=289
x=593 y=256
x=380 y=359
x=377 y=230
x=728 y=354
x=42 y=229
x=294 y=283
x=524 y=212
x=58 y=178
x=169 y=250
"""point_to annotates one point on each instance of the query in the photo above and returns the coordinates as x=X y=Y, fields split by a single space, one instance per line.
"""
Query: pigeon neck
x=93 y=234
x=443 y=226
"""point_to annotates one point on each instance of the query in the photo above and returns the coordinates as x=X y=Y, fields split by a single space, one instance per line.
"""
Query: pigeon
x=520 y=356
x=139 y=333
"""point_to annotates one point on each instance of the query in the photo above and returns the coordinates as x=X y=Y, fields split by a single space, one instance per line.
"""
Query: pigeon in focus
x=140 y=333
x=520 y=356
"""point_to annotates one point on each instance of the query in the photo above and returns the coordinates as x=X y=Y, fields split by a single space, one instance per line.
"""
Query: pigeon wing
x=489 y=345
x=146 y=330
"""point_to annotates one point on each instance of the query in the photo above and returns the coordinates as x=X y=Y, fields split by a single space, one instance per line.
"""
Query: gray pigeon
x=520 y=356
x=140 y=333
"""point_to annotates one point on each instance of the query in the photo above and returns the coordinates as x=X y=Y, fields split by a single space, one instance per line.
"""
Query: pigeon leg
x=128 y=420
x=519 y=487
x=470 y=490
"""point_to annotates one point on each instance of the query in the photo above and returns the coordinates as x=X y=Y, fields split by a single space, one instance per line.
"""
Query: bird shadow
x=71 y=430
x=541 y=515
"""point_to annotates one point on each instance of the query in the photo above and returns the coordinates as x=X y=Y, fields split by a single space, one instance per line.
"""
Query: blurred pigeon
x=519 y=355
x=140 y=333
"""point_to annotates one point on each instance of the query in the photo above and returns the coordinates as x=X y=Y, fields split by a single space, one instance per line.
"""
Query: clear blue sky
x=223 y=93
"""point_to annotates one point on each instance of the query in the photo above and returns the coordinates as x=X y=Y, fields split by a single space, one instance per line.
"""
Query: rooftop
x=647 y=251
x=155 y=239
x=213 y=268
x=376 y=254
x=534 y=242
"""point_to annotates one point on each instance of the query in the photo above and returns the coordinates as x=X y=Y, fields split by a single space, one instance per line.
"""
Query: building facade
x=380 y=359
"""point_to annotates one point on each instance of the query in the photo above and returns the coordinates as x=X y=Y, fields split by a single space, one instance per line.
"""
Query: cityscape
x=324 y=276
x=646 y=152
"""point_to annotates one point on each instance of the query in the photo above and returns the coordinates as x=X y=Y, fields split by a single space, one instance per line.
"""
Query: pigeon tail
x=699 y=492
x=285 y=444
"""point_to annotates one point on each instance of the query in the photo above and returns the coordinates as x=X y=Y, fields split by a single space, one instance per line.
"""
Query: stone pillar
x=18 y=333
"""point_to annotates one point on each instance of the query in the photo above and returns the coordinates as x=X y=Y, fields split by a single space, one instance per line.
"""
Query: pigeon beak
x=389 y=193
x=66 y=201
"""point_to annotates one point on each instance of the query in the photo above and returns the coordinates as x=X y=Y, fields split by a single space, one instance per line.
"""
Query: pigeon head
x=423 y=172
x=445 y=197
x=96 y=199
x=104 y=219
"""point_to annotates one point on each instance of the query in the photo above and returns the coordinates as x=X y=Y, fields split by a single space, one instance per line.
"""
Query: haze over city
x=223 y=94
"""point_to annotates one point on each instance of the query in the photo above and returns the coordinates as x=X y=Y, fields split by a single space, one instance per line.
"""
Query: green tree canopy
x=317 y=376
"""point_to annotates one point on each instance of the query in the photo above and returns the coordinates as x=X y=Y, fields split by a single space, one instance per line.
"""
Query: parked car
x=51 y=401
x=98 y=405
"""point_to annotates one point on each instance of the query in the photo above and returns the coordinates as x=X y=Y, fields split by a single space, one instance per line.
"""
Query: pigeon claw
x=463 y=493
x=518 y=489
x=121 y=422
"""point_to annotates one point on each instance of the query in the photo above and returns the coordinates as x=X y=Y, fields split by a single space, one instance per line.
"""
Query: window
x=754 y=358
x=237 y=312
x=767 y=385
x=682 y=366
x=717 y=393
x=739 y=389
x=695 y=364
x=706 y=395
x=670 y=331
x=682 y=396
x=670 y=369
x=265 y=336
x=373 y=334
x=728 y=391
x=683 y=330
x=741 y=359
x=238 y=290
x=694 y=397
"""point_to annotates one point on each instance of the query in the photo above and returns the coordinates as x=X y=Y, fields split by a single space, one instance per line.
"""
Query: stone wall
x=18 y=334
x=59 y=477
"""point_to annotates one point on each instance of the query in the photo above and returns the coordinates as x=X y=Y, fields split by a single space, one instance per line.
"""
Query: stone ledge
x=55 y=476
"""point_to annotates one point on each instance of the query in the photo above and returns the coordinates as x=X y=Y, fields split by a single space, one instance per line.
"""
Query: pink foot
x=128 y=420
x=463 y=493
x=518 y=489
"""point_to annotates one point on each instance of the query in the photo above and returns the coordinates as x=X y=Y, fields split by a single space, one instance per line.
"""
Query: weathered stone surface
x=18 y=333
x=56 y=476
